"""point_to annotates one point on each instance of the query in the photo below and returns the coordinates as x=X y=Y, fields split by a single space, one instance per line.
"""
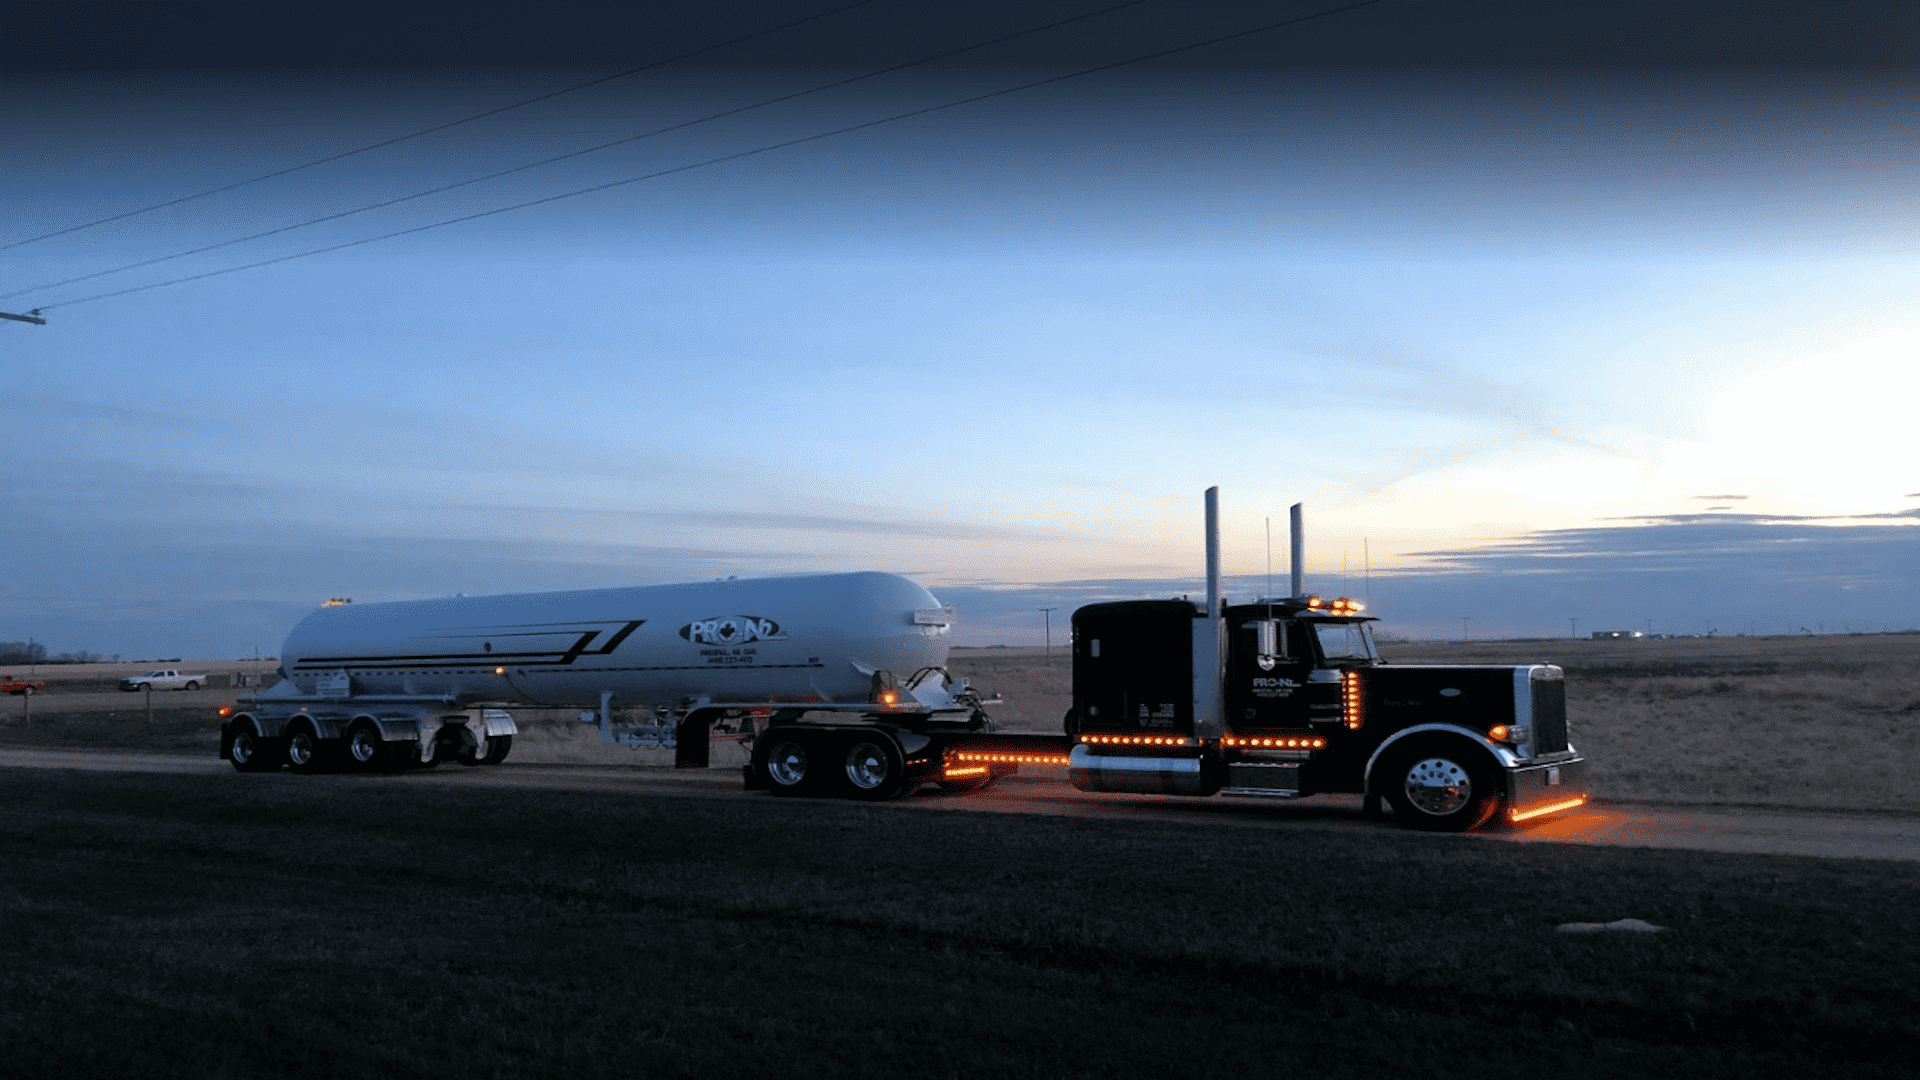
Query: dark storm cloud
x=1492 y=34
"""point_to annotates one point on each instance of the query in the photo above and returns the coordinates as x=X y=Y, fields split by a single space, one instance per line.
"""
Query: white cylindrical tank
x=809 y=638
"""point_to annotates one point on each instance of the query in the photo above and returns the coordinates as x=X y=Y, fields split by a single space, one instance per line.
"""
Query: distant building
x=1615 y=635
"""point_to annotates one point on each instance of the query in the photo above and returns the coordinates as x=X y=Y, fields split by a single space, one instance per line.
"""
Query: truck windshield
x=1345 y=641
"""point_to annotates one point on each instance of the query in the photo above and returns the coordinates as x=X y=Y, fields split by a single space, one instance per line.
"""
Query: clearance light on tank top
x=499 y=671
x=1550 y=808
x=1350 y=700
x=1280 y=743
x=889 y=696
x=1136 y=740
x=1013 y=759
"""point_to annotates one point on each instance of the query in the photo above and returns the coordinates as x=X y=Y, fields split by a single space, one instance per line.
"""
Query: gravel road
x=1741 y=830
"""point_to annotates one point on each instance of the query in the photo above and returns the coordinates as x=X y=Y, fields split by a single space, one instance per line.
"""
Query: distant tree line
x=32 y=652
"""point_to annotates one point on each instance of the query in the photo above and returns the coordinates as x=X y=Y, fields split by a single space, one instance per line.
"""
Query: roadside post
x=149 y=703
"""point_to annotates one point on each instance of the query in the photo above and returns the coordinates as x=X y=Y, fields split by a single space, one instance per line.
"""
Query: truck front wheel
x=1439 y=786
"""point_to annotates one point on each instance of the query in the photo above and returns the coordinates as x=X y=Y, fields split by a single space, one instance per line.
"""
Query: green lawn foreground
x=337 y=926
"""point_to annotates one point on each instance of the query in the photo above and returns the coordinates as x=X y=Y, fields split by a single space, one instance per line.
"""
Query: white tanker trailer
x=383 y=686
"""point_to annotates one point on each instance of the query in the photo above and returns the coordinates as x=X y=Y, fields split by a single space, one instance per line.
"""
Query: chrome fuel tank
x=816 y=637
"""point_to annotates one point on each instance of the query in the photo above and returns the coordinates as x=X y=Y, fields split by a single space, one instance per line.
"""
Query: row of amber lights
x=1350 y=700
x=1138 y=740
x=1013 y=759
x=955 y=774
x=1550 y=808
x=1314 y=743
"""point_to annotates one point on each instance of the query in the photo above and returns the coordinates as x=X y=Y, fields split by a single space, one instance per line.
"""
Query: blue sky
x=1536 y=333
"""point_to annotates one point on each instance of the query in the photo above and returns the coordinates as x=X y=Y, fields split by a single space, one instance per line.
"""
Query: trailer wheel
x=876 y=770
x=306 y=751
x=247 y=751
x=367 y=749
x=785 y=762
x=1439 y=785
x=497 y=747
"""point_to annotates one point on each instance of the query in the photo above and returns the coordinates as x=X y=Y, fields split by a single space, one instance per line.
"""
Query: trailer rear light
x=1014 y=759
x=1137 y=740
x=971 y=770
x=1283 y=743
x=1550 y=808
x=1350 y=700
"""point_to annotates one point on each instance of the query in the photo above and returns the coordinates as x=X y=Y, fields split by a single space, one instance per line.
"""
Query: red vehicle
x=10 y=684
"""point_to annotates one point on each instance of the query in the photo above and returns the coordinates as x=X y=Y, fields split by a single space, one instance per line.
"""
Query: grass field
x=338 y=926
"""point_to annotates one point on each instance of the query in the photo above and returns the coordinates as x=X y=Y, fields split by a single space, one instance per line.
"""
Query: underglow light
x=1014 y=759
x=972 y=770
x=1550 y=808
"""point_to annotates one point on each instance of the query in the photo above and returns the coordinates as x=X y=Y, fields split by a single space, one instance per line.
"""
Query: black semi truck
x=1280 y=698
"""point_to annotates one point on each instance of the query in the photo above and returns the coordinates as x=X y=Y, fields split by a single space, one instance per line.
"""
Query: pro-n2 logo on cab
x=732 y=630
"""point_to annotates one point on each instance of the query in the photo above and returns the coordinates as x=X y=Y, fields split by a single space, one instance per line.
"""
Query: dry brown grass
x=1781 y=721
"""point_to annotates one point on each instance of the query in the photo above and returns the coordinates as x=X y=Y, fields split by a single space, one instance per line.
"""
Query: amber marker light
x=1499 y=733
x=226 y=711
x=971 y=770
x=1550 y=808
x=499 y=671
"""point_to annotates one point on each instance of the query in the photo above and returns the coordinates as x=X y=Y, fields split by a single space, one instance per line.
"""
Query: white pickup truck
x=163 y=679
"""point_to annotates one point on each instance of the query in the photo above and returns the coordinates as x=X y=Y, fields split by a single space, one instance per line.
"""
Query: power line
x=573 y=154
x=1158 y=54
x=440 y=127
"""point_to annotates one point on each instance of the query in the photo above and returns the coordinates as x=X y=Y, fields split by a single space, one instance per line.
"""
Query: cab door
x=1268 y=660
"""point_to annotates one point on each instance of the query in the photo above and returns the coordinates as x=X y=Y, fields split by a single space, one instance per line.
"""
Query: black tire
x=26 y=691
x=498 y=747
x=1070 y=724
x=367 y=749
x=306 y=751
x=1439 y=785
x=145 y=687
x=873 y=768
x=191 y=686
x=787 y=763
x=247 y=751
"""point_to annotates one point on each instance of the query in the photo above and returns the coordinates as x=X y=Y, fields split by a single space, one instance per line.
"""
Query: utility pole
x=30 y=317
x=1047 y=612
x=1573 y=629
x=1464 y=620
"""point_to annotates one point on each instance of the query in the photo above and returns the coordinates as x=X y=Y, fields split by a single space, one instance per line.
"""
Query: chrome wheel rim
x=300 y=749
x=363 y=746
x=867 y=766
x=787 y=764
x=242 y=748
x=1438 y=786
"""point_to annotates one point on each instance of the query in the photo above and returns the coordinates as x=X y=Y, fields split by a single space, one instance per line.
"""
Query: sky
x=1556 y=317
